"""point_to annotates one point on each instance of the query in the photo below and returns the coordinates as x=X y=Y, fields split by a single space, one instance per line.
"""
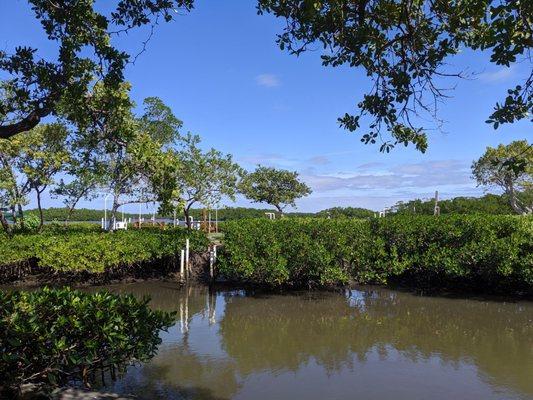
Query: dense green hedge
x=487 y=251
x=56 y=336
x=84 y=248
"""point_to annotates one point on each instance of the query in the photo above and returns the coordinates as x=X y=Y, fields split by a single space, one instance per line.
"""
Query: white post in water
x=211 y=264
x=187 y=255
x=182 y=264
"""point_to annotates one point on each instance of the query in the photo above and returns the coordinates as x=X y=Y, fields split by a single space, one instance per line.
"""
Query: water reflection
x=369 y=343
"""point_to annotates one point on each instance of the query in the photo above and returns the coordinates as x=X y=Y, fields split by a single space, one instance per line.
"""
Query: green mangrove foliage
x=489 y=252
x=56 y=336
x=82 y=248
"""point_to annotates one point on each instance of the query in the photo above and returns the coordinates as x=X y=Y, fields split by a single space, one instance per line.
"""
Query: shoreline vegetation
x=481 y=253
x=485 y=254
x=82 y=253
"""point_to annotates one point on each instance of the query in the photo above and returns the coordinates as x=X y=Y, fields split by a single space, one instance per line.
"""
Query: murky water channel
x=365 y=343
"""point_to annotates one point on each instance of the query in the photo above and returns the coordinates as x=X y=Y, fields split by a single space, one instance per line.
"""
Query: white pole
x=182 y=259
x=209 y=223
x=187 y=255
x=211 y=264
x=140 y=214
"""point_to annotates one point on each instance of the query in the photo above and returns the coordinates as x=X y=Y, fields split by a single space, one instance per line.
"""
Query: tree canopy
x=38 y=87
x=197 y=176
x=492 y=169
x=404 y=46
x=277 y=187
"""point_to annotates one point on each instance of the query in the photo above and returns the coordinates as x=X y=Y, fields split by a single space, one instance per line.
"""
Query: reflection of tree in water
x=283 y=332
x=178 y=373
x=274 y=333
x=166 y=296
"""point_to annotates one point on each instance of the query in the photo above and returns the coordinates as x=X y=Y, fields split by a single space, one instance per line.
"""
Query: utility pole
x=436 y=209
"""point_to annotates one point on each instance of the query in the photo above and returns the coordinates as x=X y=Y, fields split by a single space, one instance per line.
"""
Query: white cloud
x=268 y=80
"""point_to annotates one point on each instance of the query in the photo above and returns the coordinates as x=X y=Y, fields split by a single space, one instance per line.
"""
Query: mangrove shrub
x=492 y=252
x=57 y=336
x=84 y=248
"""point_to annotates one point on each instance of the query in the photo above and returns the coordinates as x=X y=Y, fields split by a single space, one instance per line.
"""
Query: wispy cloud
x=432 y=174
x=268 y=80
x=501 y=75
x=269 y=159
x=319 y=160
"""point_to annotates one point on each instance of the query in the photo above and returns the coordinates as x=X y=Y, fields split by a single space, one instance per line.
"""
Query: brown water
x=365 y=343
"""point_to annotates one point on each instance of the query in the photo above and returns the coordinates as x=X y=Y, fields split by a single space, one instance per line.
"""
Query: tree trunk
x=513 y=200
x=186 y=215
x=113 y=215
x=21 y=215
x=14 y=214
x=71 y=209
x=5 y=224
x=280 y=210
x=39 y=207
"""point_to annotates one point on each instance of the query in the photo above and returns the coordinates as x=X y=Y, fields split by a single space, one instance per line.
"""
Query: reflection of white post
x=187 y=310
x=181 y=317
x=212 y=308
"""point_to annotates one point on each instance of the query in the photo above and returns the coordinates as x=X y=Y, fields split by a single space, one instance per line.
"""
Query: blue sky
x=223 y=75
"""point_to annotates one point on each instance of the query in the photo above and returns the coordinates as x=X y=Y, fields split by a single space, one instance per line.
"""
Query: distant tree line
x=492 y=204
